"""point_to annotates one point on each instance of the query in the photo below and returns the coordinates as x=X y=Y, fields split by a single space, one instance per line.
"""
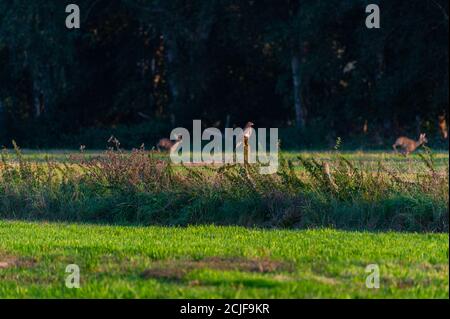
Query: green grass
x=335 y=224
x=391 y=158
x=319 y=263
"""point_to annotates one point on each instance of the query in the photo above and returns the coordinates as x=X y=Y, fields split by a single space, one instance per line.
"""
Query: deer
x=167 y=145
x=443 y=127
x=408 y=145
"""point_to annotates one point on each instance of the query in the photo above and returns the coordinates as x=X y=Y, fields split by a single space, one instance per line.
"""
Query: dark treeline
x=139 y=68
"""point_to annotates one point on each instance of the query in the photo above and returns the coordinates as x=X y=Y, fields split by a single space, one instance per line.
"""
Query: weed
x=141 y=187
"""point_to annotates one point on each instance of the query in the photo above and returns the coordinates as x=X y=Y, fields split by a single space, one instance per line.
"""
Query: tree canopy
x=158 y=64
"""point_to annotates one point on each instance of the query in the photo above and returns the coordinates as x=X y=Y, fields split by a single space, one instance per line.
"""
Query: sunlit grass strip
x=115 y=261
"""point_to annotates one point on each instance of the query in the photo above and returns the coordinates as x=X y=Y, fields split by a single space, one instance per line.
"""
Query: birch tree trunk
x=42 y=89
x=299 y=114
x=38 y=99
x=172 y=79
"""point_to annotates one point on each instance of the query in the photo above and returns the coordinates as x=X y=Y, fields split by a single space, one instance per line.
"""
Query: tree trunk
x=2 y=118
x=172 y=78
x=41 y=91
x=38 y=98
x=299 y=118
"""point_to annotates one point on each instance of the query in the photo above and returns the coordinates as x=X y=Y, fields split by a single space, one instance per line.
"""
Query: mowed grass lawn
x=217 y=262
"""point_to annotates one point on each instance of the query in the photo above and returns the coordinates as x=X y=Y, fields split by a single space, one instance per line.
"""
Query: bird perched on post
x=248 y=131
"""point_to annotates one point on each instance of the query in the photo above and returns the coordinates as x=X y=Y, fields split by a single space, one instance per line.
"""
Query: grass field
x=441 y=156
x=217 y=262
x=140 y=228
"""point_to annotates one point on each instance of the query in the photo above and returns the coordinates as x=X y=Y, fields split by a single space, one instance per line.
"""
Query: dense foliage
x=141 y=67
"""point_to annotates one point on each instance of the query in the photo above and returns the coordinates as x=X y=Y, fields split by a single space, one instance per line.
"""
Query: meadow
x=344 y=190
x=140 y=227
x=217 y=262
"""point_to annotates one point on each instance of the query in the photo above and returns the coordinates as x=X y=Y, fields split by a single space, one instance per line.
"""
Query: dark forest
x=137 y=69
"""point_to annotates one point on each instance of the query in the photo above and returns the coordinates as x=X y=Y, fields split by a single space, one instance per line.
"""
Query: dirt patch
x=178 y=269
x=434 y=267
x=12 y=261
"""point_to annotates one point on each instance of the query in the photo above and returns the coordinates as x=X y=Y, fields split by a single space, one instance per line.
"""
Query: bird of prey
x=248 y=131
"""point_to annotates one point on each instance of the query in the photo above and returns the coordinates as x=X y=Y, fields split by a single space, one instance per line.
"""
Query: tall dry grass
x=137 y=187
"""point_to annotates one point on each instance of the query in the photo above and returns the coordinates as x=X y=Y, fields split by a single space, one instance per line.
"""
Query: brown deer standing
x=167 y=145
x=443 y=127
x=408 y=145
